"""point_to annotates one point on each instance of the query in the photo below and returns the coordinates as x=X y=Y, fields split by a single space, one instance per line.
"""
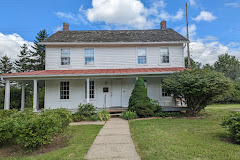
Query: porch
x=104 y=91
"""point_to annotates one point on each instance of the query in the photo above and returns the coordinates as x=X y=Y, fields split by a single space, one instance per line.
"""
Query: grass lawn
x=77 y=148
x=183 y=139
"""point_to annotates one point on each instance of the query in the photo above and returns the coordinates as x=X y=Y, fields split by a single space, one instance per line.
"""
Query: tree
x=6 y=65
x=38 y=53
x=197 y=87
x=228 y=65
x=208 y=67
x=23 y=64
x=194 y=64
x=139 y=100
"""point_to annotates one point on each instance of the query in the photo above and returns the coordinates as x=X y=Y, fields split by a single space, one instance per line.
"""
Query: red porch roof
x=96 y=71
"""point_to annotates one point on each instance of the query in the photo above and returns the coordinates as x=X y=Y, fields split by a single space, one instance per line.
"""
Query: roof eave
x=77 y=43
x=86 y=75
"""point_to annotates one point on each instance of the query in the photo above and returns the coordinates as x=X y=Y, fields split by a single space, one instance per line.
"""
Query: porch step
x=115 y=115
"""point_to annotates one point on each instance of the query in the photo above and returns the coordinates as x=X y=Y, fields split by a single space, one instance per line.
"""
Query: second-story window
x=142 y=55
x=89 y=56
x=65 y=56
x=164 y=53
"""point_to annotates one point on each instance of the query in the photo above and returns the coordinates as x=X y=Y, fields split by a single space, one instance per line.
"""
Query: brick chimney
x=163 y=24
x=65 y=27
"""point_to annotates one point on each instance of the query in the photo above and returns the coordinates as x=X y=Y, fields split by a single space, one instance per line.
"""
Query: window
x=65 y=56
x=165 y=94
x=89 y=56
x=164 y=53
x=142 y=58
x=64 y=90
x=91 y=89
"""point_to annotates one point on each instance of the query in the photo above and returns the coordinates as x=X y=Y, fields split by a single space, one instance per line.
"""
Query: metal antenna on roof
x=188 y=51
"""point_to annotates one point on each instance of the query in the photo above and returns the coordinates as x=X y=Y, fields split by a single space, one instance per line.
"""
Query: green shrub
x=7 y=113
x=139 y=101
x=167 y=114
x=64 y=114
x=129 y=115
x=232 y=125
x=94 y=118
x=6 y=130
x=85 y=112
x=77 y=117
x=86 y=109
x=33 y=131
x=155 y=103
x=103 y=115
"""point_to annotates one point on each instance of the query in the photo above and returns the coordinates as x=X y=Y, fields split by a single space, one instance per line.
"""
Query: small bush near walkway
x=33 y=131
x=87 y=112
x=232 y=125
x=129 y=115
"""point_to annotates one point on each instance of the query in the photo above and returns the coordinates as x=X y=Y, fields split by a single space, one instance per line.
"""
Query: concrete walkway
x=113 y=142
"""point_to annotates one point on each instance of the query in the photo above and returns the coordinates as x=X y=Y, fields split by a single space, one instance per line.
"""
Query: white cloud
x=207 y=52
x=205 y=16
x=166 y=16
x=118 y=14
x=58 y=28
x=10 y=45
x=192 y=28
x=234 y=5
x=192 y=2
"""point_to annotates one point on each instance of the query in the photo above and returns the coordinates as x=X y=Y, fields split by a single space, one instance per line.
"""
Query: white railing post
x=7 y=95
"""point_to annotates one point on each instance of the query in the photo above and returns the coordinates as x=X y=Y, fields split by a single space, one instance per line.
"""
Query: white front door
x=116 y=93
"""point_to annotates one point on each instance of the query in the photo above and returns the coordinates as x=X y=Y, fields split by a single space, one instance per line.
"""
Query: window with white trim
x=65 y=56
x=64 y=90
x=89 y=56
x=164 y=55
x=165 y=94
x=91 y=89
x=142 y=55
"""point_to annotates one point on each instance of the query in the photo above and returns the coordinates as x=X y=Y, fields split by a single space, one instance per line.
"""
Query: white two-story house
x=101 y=67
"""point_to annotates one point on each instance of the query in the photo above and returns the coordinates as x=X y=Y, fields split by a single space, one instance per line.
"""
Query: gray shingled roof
x=157 y=35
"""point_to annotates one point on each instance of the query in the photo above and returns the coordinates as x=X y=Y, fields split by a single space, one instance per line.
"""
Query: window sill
x=89 y=65
x=164 y=64
x=142 y=64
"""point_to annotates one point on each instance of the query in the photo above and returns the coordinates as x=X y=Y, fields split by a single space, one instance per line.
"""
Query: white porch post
x=37 y=98
x=23 y=97
x=35 y=95
x=88 y=96
x=7 y=95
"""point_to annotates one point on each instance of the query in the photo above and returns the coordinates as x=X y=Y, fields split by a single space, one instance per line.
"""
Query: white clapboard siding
x=124 y=57
x=77 y=93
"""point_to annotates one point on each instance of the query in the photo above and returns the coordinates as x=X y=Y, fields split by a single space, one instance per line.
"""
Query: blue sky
x=214 y=24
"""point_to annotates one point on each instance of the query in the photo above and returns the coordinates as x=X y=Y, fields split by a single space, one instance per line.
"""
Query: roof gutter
x=85 y=75
x=77 y=43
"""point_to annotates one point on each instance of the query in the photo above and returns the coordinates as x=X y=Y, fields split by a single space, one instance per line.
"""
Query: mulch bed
x=229 y=140
x=167 y=118
x=16 y=151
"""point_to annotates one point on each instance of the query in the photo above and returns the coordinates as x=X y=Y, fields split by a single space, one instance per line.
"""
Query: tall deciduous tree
x=228 y=65
x=194 y=64
x=38 y=52
x=6 y=65
x=23 y=64
x=197 y=87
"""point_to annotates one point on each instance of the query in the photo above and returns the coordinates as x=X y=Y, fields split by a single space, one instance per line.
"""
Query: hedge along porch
x=104 y=88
